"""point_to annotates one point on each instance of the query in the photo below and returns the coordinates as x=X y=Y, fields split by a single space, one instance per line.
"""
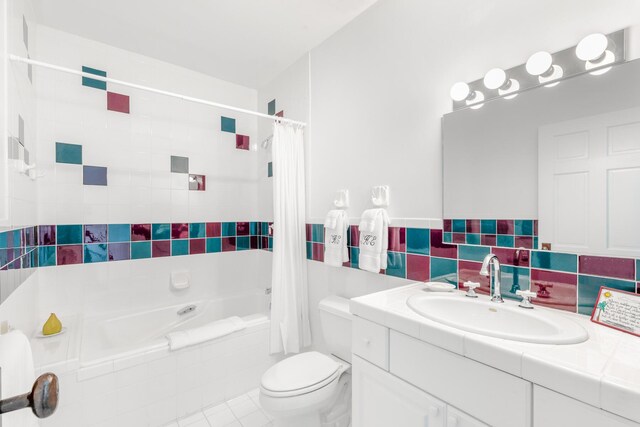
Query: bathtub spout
x=187 y=309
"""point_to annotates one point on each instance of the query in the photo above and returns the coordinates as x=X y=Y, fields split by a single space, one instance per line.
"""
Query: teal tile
x=318 y=233
x=514 y=279
x=447 y=237
x=228 y=229
x=69 y=234
x=473 y=253
x=589 y=286
x=418 y=241
x=269 y=169
x=227 y=124
x=46 y=256
x=140 y=250
x=554 y=261
x=488 y=226
x=473 y=239
x=95 y=253
x=96 y=84
x=309 y=250
x=523 y=227
x=253 y=228
x=161 y=231
x=396 y=265
x=459 y=226
x=505 y=241
x=214 y=244
x=197 y=230
x=243 y=243
x=264 y=228
x=68 y=153
x=179 y=247
x=119 y=232
x=271 y=107
x=444 y=270
x=355 y=257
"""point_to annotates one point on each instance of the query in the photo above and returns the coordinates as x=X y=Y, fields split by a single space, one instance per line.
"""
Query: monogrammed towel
x=335 y=238
x=374 y=240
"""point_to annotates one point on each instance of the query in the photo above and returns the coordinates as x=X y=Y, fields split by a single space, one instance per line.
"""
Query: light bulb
x=539 y=63
x=508 y=89
x=592 y=47
x=460 y=91
x=495 y=78
x=607 y=58
x=475 y=100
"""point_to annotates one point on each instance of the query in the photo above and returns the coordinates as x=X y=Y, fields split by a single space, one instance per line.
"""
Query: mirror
x=558 y=166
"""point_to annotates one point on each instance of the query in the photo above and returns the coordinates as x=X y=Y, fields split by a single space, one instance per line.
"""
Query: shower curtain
x=290 y=330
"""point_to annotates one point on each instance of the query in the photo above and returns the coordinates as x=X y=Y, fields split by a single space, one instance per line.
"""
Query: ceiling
x=247 y=42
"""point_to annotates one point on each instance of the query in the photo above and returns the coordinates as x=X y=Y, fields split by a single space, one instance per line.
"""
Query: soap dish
x=39 y=334
x=438 y=287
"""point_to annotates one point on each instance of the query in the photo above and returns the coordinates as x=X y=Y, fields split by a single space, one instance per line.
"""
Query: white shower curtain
x=290 y=330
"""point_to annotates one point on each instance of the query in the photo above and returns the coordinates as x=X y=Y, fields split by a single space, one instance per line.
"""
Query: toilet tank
x=335 y=321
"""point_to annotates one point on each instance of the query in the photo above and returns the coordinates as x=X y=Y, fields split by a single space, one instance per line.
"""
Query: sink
x=507 y=321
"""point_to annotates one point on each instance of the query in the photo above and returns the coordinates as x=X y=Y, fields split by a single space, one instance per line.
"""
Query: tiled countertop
x=603 y=371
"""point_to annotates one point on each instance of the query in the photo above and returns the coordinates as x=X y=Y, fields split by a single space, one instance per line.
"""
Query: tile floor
x=242 y=411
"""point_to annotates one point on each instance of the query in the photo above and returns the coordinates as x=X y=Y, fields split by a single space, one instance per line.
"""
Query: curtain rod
x=150 y=89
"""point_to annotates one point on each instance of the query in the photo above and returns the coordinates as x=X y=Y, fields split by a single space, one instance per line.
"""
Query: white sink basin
x=507 y=321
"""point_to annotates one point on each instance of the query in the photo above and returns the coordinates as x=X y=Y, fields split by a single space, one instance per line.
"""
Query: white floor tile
x=240 y=408
x=221 y=418
x=254 y=419
x=191 y=419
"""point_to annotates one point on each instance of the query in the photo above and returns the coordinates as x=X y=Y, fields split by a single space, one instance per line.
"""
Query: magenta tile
x=397 y=239
x=458 y=237
x=213 y=229
x=228 y=244
x=197 y=246
x=242 y=228
x=469 y=271
x=197 y=182
x=318 y=252
x=447 y=225
x=280 y=113
x=535 y=227
x=255 y=242
x=440 y=249
x=160 y=248
x=512 y=256
x=638 y=288
x=555 y=289
x=473 y=226
x=504 y=226
x=69 y=254
x=418 y=267
x=265 y=242
x=355 y=236
x=308 y=228
x=180 y=230
x=524 y=242
x=140 y=232
x=621 y=268
x=117 y=102
x=242 y=142
x=488 y=239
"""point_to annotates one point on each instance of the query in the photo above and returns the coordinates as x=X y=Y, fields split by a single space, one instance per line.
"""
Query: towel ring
x=43 y=398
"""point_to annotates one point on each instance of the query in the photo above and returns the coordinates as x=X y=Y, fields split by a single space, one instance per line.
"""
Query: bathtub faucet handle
x=187 y=309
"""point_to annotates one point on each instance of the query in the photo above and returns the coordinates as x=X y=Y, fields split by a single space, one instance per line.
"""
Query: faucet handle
x=526 y=298
x=471 y=293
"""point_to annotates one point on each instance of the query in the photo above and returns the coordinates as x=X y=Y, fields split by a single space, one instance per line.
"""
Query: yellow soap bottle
x=52 y=325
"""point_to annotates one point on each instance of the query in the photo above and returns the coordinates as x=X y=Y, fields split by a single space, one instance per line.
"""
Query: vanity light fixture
x=462 y=92
x=593 y=50
x=541 y=65
x=496 y=78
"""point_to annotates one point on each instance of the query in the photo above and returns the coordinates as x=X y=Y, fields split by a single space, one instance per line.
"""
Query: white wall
x=137 y=147
x=381 y=84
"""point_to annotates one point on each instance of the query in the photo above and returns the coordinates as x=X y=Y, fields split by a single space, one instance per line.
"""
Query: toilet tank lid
x=336 y=305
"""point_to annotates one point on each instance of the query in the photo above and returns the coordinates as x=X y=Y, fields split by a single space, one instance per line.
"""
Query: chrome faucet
x=489 y=261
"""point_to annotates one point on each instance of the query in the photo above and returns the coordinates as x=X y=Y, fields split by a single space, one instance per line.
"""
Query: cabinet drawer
x=371 y=342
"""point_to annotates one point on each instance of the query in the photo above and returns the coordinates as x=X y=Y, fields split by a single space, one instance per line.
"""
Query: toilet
x=313 y=389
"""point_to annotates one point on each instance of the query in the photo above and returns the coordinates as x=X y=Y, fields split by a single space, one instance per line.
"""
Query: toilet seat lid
x=300 y=372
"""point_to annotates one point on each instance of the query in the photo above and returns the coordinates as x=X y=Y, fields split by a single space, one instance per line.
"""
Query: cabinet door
x=457 y=418
x=382 y=400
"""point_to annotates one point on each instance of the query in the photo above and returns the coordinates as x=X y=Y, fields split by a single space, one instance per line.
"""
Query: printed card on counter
x=618 y=310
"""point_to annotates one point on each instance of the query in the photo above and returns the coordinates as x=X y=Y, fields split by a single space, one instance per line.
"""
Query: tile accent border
x=505 y=233
x=563 y=281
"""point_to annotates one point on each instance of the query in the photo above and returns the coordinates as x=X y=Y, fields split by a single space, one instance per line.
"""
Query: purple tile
x=264 y=244
x=488 y=239
x=621 y=268
x=447 y=225
x=242 y=142
x=458 y=238
x=119 y=251
x=180 y=230
x=69 y=254
x=95 y=233
x=318 y=252
x=473 y=226
x=242 y=228
x=308 y=228
x=255 y=242
x=47 y=235
x=140 y=232
x=440 y=249
x=469 y=271
x=355 y=235
x=554 y=289
x=418 y=267
x=535 y=227
x=505 y=226
x=94 y=175
x=229 y=244
x=512 y=256
x=197 y=246
x=160 y=248
x=524 y=242
x=117 y=102
x=397 y=239
x=213 y=229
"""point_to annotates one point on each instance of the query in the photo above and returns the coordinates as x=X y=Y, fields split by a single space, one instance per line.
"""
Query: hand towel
x=217 y=329
x=374 y=240
x=336 y=226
